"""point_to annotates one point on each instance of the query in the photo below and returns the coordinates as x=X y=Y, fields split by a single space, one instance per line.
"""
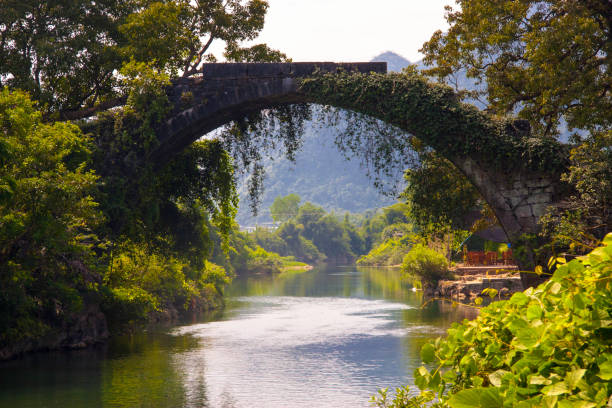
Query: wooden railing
x=477 y=258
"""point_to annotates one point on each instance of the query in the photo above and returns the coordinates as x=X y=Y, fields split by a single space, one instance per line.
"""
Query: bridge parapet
x=242 y=70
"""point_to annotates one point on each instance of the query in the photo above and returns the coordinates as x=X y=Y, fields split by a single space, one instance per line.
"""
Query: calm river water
x=325 y=338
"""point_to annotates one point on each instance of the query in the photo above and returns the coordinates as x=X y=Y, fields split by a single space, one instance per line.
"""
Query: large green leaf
x=605 y=370
x=428 y=353
x=477 y=398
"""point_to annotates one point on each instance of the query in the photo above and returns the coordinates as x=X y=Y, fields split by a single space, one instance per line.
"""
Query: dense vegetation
x=548 y=62
x=547 y=346
x=87 y=223
x=310 y=234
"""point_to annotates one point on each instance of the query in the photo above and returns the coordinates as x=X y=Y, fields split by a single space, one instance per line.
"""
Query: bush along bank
x=85 y=246
x=549 y=346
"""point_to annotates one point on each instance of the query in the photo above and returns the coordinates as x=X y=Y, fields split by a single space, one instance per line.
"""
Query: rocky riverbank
x=469 y=283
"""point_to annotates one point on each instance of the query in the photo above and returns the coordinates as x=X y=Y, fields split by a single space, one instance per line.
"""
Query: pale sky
x=351 y=30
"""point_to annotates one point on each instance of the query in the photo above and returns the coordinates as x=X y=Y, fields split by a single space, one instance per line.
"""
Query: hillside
x=320 y=173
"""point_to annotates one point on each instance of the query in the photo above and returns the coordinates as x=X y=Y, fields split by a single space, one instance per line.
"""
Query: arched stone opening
x=518 y=194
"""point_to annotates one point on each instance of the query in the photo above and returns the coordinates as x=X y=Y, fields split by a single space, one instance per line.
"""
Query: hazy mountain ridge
x=320 y=174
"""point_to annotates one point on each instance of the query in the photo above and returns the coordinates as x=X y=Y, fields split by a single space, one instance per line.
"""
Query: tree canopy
x=547 y=60
x=285 y=208
x=67 y=54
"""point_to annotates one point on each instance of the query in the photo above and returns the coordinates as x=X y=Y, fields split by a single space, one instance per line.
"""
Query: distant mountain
x=320 y=175
x=395 y=62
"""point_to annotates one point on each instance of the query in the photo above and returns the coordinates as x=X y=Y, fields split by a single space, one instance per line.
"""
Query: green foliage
x=299 y=246
x=403 y=398
x=170 y=206
x=62 y=52
x=438 y=192
x=125 y=307
x=311 y=235
x=262 y=261
x=550 y=60
x=397 y=213
x=434 y=114
x=285 y=208
x=548 y=346
x=389 y=253
x=270 y=240
x=586 y=215
x=67 y=54
x=161 y=34
x=388 y=235
x=256 y=53
x=47 y=221
x=426 y=263
x=397 y=230
x=142 y=282
x=354 y=237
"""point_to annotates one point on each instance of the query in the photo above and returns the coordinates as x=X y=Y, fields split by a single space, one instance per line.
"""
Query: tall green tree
x=285 y=208
x=47 y=221
x=548 y=60
x=67 y=54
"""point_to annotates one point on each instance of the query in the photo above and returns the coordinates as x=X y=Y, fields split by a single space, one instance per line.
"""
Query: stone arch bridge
x=229 y=91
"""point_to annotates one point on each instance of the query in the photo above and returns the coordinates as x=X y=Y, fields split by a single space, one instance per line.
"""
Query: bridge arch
x=517 y=176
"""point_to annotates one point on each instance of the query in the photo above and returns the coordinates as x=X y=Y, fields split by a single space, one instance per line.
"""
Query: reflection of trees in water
x=284 y=284
x=160 y=370
x=142 y=372
x=431 y=322
x=49 y=379
x=388 y=284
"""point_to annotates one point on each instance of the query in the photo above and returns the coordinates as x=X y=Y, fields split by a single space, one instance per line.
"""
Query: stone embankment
x=469 y=283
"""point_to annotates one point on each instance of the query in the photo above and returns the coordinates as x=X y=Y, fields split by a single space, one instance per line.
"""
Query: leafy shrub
x=262 y=261
x=390 y=252
x=426 y=263
x=142 y=282
x=124 y=307
x=270 y=241
x=546 y=347
x=215 y=275
x=396 y=231
x=47 y=221
x=403 y=398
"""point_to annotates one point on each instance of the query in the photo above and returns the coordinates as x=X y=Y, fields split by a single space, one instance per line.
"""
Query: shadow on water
x=327 y=337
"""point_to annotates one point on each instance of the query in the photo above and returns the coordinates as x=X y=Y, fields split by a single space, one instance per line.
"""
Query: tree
x=329 y=236
x=62 y=52
x=285 y=208
x=178 y=34
x=548 y=60
x=47 y=221
x=438 y=193
x=308 y=215
x=67 y=54
x=583 y=218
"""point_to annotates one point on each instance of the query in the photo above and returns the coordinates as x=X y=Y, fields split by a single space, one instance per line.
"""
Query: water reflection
x=321 y=338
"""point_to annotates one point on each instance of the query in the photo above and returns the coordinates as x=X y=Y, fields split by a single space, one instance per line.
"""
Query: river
x=329 y=337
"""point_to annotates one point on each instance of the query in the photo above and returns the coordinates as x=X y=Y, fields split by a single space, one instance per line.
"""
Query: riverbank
x=469 y=282
x=296 y=268
x=326 y=337
x=98 y=321
x=82 y=330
